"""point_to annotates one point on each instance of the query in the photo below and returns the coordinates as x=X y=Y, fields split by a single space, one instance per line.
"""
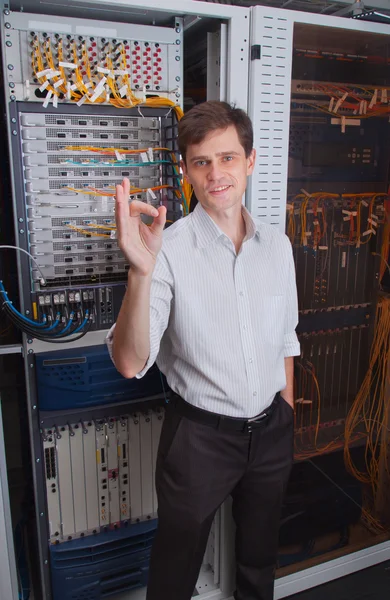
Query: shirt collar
x=207 y=231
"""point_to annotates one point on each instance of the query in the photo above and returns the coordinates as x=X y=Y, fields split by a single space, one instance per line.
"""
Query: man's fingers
x=138 y=208
x=159 y=221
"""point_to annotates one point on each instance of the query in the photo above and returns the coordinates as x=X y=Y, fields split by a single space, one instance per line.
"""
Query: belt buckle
x=255 y=420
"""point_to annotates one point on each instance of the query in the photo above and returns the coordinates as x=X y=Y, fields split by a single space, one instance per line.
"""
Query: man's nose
x=214 y=171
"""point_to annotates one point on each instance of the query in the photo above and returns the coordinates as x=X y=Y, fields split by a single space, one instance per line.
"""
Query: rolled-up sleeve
x=291 y=343
x=161 y=294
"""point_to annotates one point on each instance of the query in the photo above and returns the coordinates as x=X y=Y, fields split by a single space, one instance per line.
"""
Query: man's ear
x=184 y=170
x=250 y=162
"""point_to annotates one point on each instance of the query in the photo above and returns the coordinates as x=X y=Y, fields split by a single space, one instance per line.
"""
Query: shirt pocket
x=273 y=317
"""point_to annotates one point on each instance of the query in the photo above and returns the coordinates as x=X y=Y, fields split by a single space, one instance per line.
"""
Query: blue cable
x=80 y=327
x=67 y=326
x=26 y=319
x=56 y=322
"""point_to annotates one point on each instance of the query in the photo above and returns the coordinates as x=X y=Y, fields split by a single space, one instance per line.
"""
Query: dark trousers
x=198 y=467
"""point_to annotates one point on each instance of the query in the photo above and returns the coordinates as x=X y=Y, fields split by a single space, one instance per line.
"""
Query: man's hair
x=210 y=116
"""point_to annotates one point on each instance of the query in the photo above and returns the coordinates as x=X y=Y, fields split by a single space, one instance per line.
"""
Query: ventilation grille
x=270 y=112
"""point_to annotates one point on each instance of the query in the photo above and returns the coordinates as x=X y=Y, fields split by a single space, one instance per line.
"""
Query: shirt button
x=241 y=293
x=245 y=327
x=254 y=393
x=251 y=361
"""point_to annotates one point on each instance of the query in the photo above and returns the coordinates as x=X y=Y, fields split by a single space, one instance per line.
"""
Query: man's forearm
x=131 y=343
x=288 y=392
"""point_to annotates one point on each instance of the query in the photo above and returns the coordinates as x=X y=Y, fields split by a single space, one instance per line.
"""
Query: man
x=213 y=299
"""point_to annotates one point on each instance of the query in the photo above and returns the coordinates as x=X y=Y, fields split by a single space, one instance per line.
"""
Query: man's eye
x=228 y=158
x=200 y=163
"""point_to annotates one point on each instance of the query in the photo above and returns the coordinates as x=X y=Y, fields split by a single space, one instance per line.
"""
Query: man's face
x=218 y=169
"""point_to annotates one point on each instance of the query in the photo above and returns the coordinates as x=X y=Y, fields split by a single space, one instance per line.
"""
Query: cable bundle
x=371 y=408
x=56 y=329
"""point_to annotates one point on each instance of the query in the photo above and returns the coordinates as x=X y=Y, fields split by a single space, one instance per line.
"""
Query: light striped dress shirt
x=221 y=323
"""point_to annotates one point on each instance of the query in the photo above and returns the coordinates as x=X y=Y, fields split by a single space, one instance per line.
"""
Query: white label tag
x=322 y=247
x=55 y=101
x=123 y=91
x=53 y=74
x=151 y=193
x=81 y=101
x=364 y=203
x=331 y=103
x=373 y=99
x=44 y=72
x=120 y=72
x=47 y=99
x=44 y=86
x=343 y=260
x=118 y=155
x=68 y=94
x=68 y=65
x=98 y=89
x=103 y=70
x=113 y=234
x=144 y=157
x=58 y=83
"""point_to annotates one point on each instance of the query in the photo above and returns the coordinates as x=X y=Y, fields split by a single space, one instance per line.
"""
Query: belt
x=221 y=422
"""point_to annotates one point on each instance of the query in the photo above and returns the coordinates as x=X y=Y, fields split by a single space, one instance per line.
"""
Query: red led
x=138 y=48
x=93 y=53
x=159 y=69
x=127 y=56
x=145 y=53
x=127 y=47
x=149 y=68
x=145 y=72
x=149 y=58
x=148 y=49
x=134 y=62
x=145 y=63
x=149 y=77
x=94 y=44
x=155 y=73
x=156 y=83
x=159 y=78
x=158 y=49
x=159 y=60
x=134 y=52
x=90 y=49
x=155 y=54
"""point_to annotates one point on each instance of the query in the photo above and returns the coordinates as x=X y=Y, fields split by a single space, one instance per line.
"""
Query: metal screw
x=35 y=407
x=20 y=218
x=10 y=67
x=8 y=43
x=41 y=514
x=46 y=562
x=38 y=460
x=12 y=98
x=13 y=120
x=11 y=85
x=7 y=25
x=177 y=95
x=31 y=351
x=6 y=12
x=177 y=58
x=178 y=30
x=177 y=78
x=178 y=42
x=27 y=312
x=31 y=366
x=29 y=341
x=21 y=230
x=14 y=132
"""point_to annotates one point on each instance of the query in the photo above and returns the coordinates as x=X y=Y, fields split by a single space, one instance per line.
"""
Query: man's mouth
x=220 y=188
